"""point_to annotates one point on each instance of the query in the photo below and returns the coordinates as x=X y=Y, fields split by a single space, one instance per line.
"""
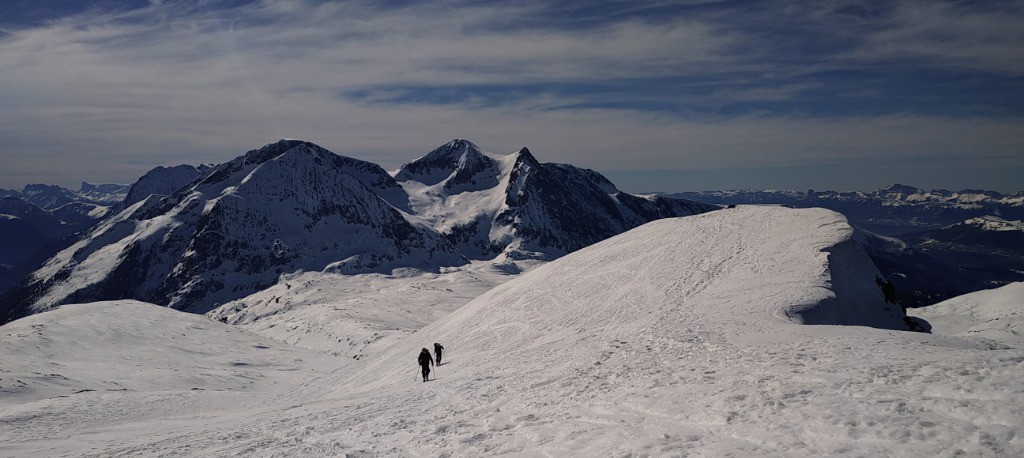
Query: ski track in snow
x=679 y=338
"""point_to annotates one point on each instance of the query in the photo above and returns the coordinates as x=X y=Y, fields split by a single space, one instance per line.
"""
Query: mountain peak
x=272 y=150
x=897 y=188
x=441 y=163
x=524 y=155
x=461 y=143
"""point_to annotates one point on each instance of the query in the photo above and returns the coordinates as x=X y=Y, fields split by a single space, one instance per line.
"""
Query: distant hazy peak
x=897 y=188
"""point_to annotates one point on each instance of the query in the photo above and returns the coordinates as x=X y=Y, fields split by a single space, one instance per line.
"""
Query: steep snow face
x=288 y=206
x=993 y=317
x=162 y=181
x=515 y=206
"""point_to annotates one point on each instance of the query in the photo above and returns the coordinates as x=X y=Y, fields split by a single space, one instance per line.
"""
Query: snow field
x=356 y=316
x=993 y=317
x=681 y=337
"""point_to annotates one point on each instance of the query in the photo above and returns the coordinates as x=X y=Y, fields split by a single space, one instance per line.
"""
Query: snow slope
x=357 y=316
x=680 y=337
x=994 y=317
x=76 y=380
x=135 y=346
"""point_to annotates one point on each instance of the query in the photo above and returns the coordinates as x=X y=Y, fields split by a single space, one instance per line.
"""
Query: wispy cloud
x=611 y=86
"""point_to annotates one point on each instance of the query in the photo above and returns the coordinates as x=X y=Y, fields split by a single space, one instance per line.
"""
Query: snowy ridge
x=695 y=272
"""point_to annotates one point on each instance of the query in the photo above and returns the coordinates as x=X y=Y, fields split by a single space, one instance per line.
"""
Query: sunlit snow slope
x=683 y=336
x=133 y=346
x=994 y=316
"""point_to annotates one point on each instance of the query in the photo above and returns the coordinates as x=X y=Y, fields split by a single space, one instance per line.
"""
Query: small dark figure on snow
x=425 y=362
x=438 y=348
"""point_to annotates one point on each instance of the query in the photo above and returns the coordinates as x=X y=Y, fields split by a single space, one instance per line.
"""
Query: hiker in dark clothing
x=425 y=362
x=438 y=348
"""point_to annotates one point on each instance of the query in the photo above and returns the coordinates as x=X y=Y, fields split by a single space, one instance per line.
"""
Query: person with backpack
x=438 y=348
x=425 y=362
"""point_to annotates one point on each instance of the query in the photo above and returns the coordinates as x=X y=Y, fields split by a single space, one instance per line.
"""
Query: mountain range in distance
x=891 y=211
x=194 y=237
x=235 y=228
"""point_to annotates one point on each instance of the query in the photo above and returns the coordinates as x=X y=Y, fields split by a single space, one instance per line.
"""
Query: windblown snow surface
x=728 y=333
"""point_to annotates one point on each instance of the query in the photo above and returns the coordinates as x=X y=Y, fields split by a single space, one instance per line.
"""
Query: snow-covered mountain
x=894 y=210
x=162 y=181
x=985 y=234
x=292 y=205
x=32 y=237
x=987 y=251
x=516 y=206
x=508 y=213
x=288 y=206
x=723 y=334
x=47 y=196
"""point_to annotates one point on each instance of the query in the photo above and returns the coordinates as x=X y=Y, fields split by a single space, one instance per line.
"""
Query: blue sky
x=659 y=96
